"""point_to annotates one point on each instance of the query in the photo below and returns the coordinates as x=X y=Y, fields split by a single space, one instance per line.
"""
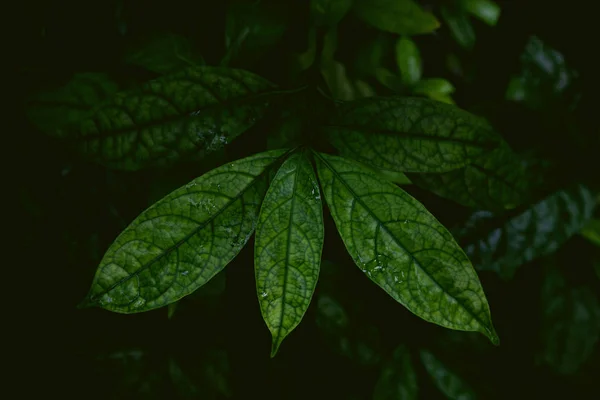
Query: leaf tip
x=275 y=348
x=493 y=336
x=87 y=302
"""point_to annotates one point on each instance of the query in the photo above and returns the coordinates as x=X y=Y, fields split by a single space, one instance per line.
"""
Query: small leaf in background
x=398 y=379
x=591 y=231
x=449 y=383
x=506 y=244
x=390 y=80
x=404 y=17
x=570 y=325
x=70 y=104
x=329 y=12
x=288 y=246
x=370 y=55
x=401 y=247
x=184 y=240
x=252 y=27
x=460 y=27
x=410 y=134
x=436 y=89
x=185 y=115
x=408 y=60
x=164 y=53
x=485 y=10
x=544 y=77
x=496 y=181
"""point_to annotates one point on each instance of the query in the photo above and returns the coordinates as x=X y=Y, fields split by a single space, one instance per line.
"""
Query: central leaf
x=289 y=241
x=185 y=239
x=403 y=248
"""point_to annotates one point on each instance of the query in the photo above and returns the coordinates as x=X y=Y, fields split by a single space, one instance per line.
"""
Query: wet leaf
x=450 y=384
x=398 y=379
x=410 y=134
x=183 y=240
x=401 y=247
x=180 y=116
x=503 y=244
x=288 y=246
x=408 y=59
x=405 y=17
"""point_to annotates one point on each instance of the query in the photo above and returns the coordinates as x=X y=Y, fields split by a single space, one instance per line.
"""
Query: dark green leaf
x=184 y=115
x=68 y=105
x=185 y=239
x=164 y=53
x=544 y=77
x=329 y=12
x=571 y=324
x=405 y=17
x=410 y=134
x=486 y=10
x=402 y=247
x=288 y=246
x=398 y=379
x=502 y=245
x=450 y=384
x=408 y=59
x=496 y=181
x=460 y=26
x=591 y=231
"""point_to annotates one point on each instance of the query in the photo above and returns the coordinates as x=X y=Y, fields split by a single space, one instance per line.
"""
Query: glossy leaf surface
x=503 y=244
x=408 y=59
x=288 y=246
x=184 y=115
x=401 y=247
x=183 y=240
x=405 y=17
x=410 y=134
x=398 y=379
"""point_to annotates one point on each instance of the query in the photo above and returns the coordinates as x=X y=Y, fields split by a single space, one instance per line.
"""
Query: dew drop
x=191 y=184
x=184 y=273
x=263 y=294
x=395 y=278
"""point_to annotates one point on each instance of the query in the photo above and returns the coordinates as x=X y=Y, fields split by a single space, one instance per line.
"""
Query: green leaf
x=405 y=17
x=570 y=325
x=410 y=134
x=450 y=384
x=71 y=103
x=591 y=231
x=503 y=244
x=164 y=53
x=408 y=59
x=460 y=26
x=329 y=12
x=544 y=77
x=486 y=10
x=180 y=116
x=402 y=247
x=185 y=239
x=434 y=86
x=398 y=379
x=496 y=181
x=288 y=246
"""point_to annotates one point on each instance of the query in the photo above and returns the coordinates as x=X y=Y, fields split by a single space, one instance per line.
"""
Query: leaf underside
x=288 y=246
x=410 y=134
x=185 y=239
x=403 y=248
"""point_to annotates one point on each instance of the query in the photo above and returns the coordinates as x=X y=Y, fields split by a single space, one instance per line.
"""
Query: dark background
x=70 y=210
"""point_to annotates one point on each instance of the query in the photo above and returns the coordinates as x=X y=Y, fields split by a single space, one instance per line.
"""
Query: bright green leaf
x=329 y=12
x=410 y=134
x=503 y=244
x=164 y=53
x=405 y=17
x=486 y=10
x=402 y=247
x=496 y=181
x=591 y=231
x=460 y=26
x=182 y=241
x=398 y=379
x=434 y=85
x=450 y=384
x=408 y=59
x=184 y=115
x=570 y=325
x=288 y=246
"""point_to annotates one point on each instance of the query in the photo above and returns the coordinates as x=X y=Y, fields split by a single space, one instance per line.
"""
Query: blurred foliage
x=505 y=61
